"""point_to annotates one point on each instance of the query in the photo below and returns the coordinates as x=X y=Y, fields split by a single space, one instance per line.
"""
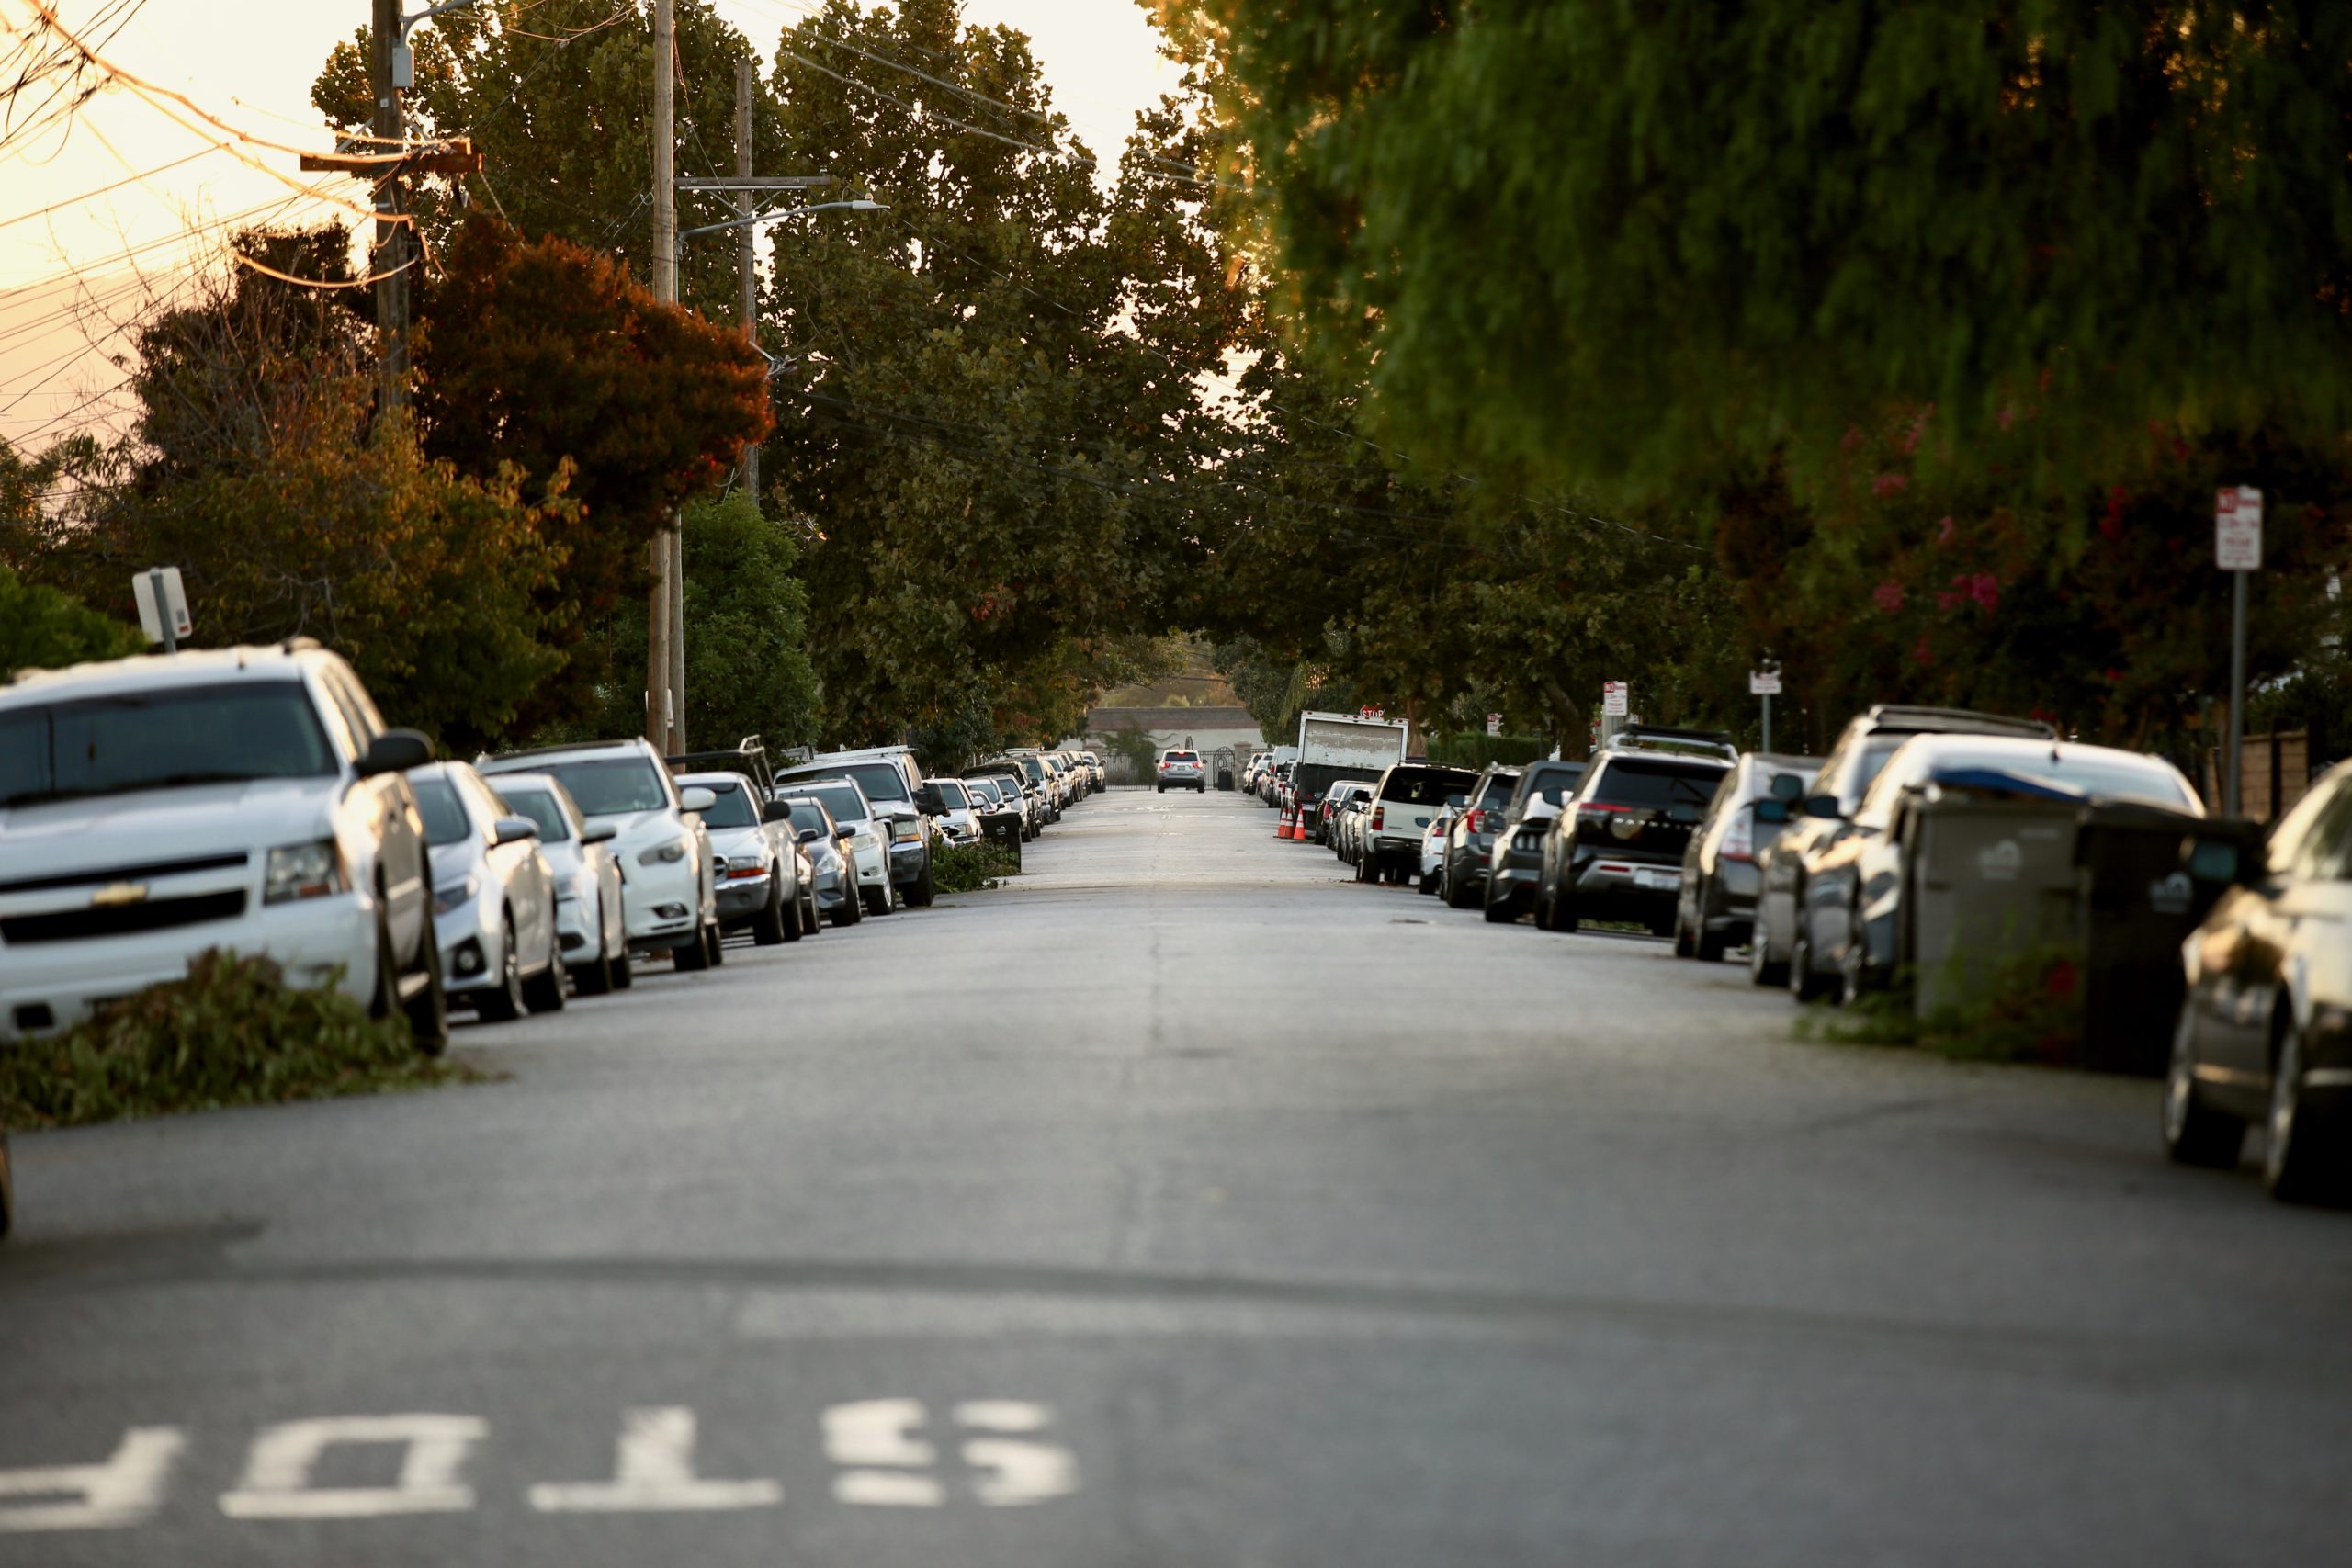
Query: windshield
x=952 y=792
x=445 y=819
x=541 y=806
x=730 y=806
x=1625 y=781
x=162 y=738
x=807 y=814
x=882 y=783
x=841 y=801
x=610 y=786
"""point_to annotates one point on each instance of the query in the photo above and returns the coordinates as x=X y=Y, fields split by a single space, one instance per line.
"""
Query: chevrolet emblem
x=116 y=895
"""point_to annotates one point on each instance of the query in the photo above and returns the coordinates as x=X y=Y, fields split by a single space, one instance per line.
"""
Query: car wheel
x=691 y=955
x=2303 y=1159
x=797 y=920
x=715 y=937
x=503 y=1001
x=1163 y=789
x=877 y=900
x=1366 y=870
x=1761 y=970
x=1498 y=911
x=2196 y=1133
x=920 y=894
x=1855 y=978
x=768 y=927
x=1683 y=946
x=1542 y=902
x=428 y=1010
x=848 y=911
x=1563 y=912
x=543 y=992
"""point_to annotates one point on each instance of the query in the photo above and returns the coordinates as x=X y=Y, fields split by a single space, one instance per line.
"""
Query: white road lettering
x=654 y=1472
x=276 y=1484
x=123 y=1489
x=876 y=1432
x=1014 y=1470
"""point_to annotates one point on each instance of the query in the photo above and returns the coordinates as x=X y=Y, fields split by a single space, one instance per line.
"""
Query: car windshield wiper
x=133 y=787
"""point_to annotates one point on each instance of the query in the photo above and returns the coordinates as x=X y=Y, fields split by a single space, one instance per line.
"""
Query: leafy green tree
x=41 y=629
x=1587 y=243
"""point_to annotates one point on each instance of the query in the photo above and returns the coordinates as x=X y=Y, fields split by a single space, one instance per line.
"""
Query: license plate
x=1666 y=881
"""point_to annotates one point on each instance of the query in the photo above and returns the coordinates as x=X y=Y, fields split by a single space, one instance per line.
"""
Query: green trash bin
x=2142 y=895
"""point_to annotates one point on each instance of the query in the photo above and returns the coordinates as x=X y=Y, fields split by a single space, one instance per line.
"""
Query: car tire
x=797 y=922
x=1683 y=946
x=776 y=923
x=1710 y=947
x=543 y=992
x=2194 y=1132
x=877 y=902
x=1366 y=870
x=1564 y=918
x=624 y=970
x=1856 y=978
x=1162 y=789
x=1762 y=971
x=691 y=955
x=2303 y=1156
x=1428 y=884
x=504 y=1002
x=1542 y=903
x=1457 y=894
x=428 y=1010
x=1201 y=788
x=920 y=894
x=848 y=912
x=714 y=935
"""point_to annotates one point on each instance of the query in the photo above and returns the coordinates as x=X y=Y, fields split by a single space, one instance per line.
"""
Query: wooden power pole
x=664 y=650
x=391 y=234
x=746 y=252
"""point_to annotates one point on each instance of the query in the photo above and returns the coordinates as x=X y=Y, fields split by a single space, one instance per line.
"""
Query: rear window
x=1183 y=756
x=1498 y=790
x=1424 y=786
x=806 y=816
x=1627 y=781
x=1553 y=783
x=952 y=791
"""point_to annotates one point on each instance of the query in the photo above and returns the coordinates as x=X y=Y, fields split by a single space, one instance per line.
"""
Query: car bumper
x=309 y=938
x=741 y=898
x=1610 y=885
x=659 y=904
x=908 y=862
x=576 y=936
x=472 y=943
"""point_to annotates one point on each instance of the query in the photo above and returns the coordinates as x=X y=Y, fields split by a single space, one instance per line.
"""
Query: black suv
x=1614 y=853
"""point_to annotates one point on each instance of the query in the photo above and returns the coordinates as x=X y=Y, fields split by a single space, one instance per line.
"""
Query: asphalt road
x=1182 y=1203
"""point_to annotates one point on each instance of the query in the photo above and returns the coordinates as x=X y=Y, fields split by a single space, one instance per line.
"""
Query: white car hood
x=631 y=828
x=737 y=841
x=157 y=825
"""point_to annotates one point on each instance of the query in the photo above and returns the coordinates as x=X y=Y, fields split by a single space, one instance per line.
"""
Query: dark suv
x=1516 y=857
x=1461 y=877
x=1614 y=853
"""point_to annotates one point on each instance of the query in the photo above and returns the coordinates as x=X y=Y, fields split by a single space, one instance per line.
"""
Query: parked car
x=764 y=879
x=867 y=843
x=1863 y=749
x=892 y=785
x=1348 y=830
x=493 y=897
x=960 y=821
x=2266 y=1031
x=1515 y=862
x=827 y=844
x=1470 y=837
x=1322 y=815
x=1040 y=782
x=748 y=757
x=1181 y=770
x=1614 y=850
x=1860 y=880
x=1716 y=907
x=1433 y=839
x=1408 y=795
x=669 y=883
x=8 y=1189
x=1714 y=745
x=590 y=927
x=247 y=798
x=1012 y=795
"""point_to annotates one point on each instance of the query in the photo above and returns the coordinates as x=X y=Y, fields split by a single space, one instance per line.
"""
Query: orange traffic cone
x=1299 y=830
x=1285 y=827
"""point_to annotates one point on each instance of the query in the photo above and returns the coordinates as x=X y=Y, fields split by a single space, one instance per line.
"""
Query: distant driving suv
x=1183 y=770
x=246 y=798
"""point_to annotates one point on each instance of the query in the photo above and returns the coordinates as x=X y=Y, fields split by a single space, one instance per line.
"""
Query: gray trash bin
x=2142 y=898
x=1002 y=829
x=1991 y=880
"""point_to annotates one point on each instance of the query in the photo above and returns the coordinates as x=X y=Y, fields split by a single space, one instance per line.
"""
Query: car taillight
x=1479 y=822
x=1378 y=813
x=1602 y=808
x=1739 y=840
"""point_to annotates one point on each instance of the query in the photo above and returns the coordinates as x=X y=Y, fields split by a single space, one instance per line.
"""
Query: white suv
x=247 y=798
x=1183 y=770
x=669 y=890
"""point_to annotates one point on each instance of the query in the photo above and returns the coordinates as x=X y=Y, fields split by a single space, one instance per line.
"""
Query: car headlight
x=303 y=871
x=670 y=853
x=903 y=830
x=743 y=862
x=446 y=899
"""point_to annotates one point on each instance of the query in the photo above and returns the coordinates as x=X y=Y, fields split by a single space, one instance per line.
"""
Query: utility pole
x=746 y=252
x=664 y=699
x=391 y=234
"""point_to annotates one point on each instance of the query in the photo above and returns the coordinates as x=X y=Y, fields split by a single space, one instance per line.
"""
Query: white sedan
x=493 y=897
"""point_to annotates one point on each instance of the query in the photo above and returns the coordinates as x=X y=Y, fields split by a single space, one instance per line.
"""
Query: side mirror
x=510 y=828
x=1823 y=806
x=776 y=811
x=807 y=835
x=599 y=833
x=930 y=802
x=698 y=799
x=1772 y=813
x=1786 y=786
x=395 y=751
x=844 y=834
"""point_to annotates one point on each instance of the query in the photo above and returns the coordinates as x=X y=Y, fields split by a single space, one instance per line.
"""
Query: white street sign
x=2237 y=528
x=1613 y=698
x=1494 y=724
x=1763 y=682
x=154 y=618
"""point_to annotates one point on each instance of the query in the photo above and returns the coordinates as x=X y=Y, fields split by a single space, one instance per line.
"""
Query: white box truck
x=1335 y=745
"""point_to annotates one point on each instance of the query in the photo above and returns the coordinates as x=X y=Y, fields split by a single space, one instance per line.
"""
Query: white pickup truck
x=247 y=798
